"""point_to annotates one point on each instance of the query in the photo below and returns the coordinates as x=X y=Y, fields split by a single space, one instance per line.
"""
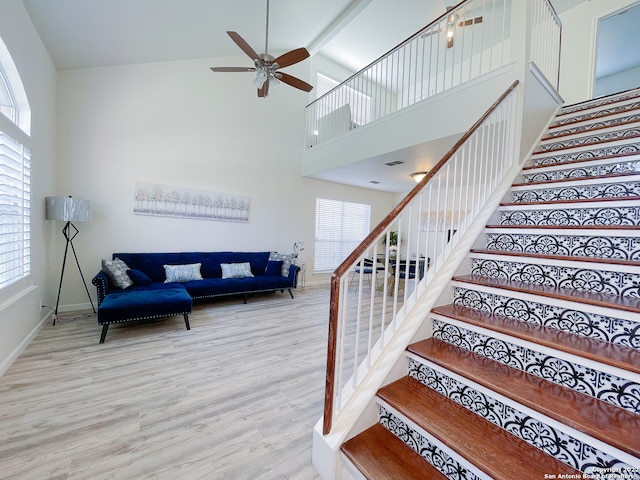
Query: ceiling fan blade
x=289 y=58
x=233 y=69
x=294 y=82
x=244 y=46
x=264 y=90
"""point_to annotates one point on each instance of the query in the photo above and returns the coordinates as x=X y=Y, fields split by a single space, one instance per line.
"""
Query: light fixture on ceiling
x=418 y=176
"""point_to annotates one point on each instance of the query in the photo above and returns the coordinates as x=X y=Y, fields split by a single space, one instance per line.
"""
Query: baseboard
x=7 y=362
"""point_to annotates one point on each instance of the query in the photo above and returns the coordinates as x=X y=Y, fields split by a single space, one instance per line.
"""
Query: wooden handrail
x=345 y=266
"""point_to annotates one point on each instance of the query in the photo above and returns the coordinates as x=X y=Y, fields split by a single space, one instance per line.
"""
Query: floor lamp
x=69 y=209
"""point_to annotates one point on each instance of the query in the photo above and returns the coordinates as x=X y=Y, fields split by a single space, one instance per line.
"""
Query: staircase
x=533 y=370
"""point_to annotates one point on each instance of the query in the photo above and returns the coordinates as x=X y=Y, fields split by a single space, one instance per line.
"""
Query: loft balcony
x=415 y=101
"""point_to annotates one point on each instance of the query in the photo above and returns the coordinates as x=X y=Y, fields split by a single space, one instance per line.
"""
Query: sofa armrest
x=101 y=281
x=294 y=270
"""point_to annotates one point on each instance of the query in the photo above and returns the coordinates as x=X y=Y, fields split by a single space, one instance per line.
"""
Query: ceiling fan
x=452 y=22
x=266 y=66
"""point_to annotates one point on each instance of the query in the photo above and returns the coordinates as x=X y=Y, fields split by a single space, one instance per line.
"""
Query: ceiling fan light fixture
x=418 y=176
x=261 y=77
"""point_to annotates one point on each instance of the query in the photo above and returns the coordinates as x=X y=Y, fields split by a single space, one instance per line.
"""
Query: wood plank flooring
x=234 y=398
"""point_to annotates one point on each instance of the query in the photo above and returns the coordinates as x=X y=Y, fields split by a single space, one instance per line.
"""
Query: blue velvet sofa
x=149 y=293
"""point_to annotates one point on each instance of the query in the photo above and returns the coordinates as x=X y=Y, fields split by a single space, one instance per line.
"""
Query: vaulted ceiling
x=95 y=33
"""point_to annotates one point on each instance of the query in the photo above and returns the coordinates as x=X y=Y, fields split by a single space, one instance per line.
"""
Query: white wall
x=578 y=55
x=20 y=313
x=617 y=82
x=180 y=124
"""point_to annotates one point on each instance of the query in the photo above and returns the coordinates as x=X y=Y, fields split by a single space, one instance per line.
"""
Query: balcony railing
x=372 y=290
x=470 y=40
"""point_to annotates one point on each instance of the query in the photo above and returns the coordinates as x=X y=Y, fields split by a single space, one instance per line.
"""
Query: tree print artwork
x=170 y=201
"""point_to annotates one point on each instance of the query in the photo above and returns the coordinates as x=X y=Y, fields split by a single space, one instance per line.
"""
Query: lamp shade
x=68 y=209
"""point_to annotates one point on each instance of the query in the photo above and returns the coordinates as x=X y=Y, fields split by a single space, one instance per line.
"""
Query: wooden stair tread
x=498 y=453
x=575 y=109
x=570 y=258
x=620 y=228
x=581 y=160
x=587 y=414
x=578 y=113
x=618 y=302
x=578 y=200
x=380 y=455
x=596 y=143
x=542 y=183
x=619 y=356
x=591 y=131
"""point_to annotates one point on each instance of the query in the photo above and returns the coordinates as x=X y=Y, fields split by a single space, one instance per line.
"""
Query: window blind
x=15 y=210
x=340 y=227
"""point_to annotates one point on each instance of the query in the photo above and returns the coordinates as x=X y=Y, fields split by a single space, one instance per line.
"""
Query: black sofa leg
x=105 y=327
x=290 y=293
x=245 y=298
x=186 y=321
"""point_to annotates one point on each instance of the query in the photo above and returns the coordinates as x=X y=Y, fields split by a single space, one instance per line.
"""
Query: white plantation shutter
x=15 y=209
x=340 y=227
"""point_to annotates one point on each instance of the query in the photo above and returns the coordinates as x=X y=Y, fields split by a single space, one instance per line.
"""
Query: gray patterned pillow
x=236 y=270
x=286 y=260
x=116 y=270
x=182 y=273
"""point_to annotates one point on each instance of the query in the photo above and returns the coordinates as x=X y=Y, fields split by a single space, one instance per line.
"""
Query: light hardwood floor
x=234 y=398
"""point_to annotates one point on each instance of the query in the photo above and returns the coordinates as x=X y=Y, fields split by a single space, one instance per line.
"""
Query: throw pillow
x=274 y=268
x=116 y=270
x=286 y=260
x=236 y=270
x=139 y=277
x=182 y=273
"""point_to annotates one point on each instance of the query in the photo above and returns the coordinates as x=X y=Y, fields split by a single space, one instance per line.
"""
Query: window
x=7 y=101
x=340 y=227
x=15 y=175
x=359 y=102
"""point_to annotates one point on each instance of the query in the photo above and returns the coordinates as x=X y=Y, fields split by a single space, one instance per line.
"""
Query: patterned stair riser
x=625 y=107
x=632 y=166
x=425 y=446
x=603 y=386
x=602 y=101
x=567 y=217
x=604 y=152
x=563 y=193
x=532 y=430
x=556 y=276
x=600 y=327
x=619 y=248
x=594 y=138
x=612 y=122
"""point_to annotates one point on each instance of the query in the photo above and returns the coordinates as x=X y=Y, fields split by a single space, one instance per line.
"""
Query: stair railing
x=372 y=290
x=545 y=40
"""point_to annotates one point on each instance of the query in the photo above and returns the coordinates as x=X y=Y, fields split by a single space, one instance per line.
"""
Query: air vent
x=394 y=163
x=375 y=182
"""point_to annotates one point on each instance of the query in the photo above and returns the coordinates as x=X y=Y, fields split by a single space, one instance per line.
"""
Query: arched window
x=15 y=174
